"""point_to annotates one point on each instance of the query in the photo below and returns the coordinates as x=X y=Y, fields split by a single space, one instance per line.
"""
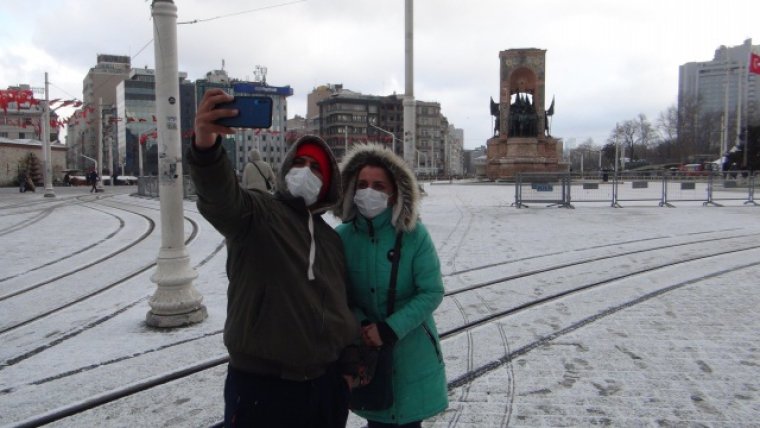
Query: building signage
x=252 y=88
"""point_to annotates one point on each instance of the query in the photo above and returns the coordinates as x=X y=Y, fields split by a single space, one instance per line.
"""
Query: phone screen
x=253 y=112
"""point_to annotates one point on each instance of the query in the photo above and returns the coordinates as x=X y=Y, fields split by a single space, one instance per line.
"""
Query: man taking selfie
x=287 y=316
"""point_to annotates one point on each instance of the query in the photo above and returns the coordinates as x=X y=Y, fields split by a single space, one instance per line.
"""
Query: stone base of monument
x=508 y=157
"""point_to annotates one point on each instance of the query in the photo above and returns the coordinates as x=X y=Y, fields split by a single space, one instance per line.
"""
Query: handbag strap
x=394 y=273
x=262 y=175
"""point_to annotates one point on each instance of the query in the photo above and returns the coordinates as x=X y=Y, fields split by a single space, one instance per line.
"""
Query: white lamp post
x=391 y=134
x=47 y=155
x=345 y=141
x=93 y=161
x=176 y=302
x=410 y=113
x=99 y=167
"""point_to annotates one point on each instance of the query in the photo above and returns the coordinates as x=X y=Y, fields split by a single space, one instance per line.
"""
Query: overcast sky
x=606 y=60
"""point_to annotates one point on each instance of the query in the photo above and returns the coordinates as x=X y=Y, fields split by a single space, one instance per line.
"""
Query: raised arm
x=220 y=199
x=206 y=131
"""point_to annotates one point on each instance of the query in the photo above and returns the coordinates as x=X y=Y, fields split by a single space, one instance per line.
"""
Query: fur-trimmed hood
x=405 y=211
x=333 y=192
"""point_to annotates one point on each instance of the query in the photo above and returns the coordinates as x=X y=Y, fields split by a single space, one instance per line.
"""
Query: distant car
x=77 y=180
x=121 y=180
x=693 y=169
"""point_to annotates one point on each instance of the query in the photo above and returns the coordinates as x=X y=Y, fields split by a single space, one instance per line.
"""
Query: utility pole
x=47 y=155
x=724 y=117
x=410 y=120
x=176 y=302
x=617 y=145
x=99 y=167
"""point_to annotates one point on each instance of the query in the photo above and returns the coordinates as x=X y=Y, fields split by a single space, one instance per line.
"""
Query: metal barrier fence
x=662 y=188
x=148 y=186
x=545 y=188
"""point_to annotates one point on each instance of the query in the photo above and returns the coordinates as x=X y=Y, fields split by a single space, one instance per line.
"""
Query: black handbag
x=378 y=393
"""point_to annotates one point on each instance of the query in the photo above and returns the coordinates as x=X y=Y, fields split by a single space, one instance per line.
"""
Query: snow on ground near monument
x=108 y=346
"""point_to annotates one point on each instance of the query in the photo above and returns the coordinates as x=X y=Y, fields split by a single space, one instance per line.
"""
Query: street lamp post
x=176 y=302
x=99 y=167
x=47 y=155
x=617 y=150
x=410 y=114
x=345 y=141
x=391 y=134
x=93 y=161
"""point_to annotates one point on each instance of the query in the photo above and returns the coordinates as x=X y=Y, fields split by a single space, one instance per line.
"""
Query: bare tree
x=646 y=137
x=585 y=154
x=667 y=126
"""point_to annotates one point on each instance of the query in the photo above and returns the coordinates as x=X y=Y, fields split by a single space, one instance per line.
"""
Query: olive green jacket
x=278 y=320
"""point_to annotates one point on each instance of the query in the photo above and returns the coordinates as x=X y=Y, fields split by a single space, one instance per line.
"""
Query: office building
x=130 y=126
x=718 y=99
x=347 y=117
x=270 y=142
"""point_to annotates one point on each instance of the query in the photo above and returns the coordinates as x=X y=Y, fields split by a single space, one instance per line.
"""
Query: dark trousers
x=371 y=424
x=262 y=401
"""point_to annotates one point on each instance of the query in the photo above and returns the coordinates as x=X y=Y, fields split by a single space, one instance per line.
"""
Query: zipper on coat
x=371 y=230
x=432 y=341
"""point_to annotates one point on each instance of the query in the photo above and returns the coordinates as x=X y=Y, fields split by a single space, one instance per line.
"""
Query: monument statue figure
x=523 y=119
x=547 y=114
x=495 y=113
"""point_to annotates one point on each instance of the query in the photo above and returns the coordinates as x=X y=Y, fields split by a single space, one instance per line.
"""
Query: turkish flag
x=754 y=63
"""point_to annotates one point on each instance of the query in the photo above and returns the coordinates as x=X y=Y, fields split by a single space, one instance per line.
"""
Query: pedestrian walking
x=257 y=173
x=394 y=285
x=288 y=320
x=23 y=178
x=93 y=176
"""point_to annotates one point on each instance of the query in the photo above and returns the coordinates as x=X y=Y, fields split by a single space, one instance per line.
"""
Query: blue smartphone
x=253 y=112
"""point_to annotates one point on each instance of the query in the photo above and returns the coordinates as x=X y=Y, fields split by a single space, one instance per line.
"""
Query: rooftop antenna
x=260 y=74
x=222 y=63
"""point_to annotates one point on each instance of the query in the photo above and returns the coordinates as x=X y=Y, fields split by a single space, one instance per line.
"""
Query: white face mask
x=302 y=182
x=370 y=202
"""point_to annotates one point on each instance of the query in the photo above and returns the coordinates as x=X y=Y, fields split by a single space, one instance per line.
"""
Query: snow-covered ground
x=553 y=317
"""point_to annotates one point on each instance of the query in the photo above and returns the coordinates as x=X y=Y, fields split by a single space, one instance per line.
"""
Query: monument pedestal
x=509 y=156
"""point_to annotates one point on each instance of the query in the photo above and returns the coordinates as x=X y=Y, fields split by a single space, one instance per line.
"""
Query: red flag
x=754 y=63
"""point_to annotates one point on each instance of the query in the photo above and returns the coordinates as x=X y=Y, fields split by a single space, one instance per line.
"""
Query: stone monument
x=522 y=141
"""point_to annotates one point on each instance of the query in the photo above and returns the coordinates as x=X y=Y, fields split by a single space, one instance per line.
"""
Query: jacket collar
x=370 y=225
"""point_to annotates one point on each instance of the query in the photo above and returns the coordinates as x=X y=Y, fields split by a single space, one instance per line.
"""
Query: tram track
x=474 y=371
x=82 y=297
x=75 y=253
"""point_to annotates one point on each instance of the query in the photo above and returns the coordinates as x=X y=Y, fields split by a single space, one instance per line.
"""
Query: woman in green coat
x=380 y=199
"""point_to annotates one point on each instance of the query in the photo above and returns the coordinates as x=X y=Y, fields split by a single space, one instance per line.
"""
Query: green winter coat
x=419 y=378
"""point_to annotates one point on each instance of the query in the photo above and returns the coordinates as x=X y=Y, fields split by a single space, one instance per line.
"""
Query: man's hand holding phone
x=218 y=112
x=206 y=128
